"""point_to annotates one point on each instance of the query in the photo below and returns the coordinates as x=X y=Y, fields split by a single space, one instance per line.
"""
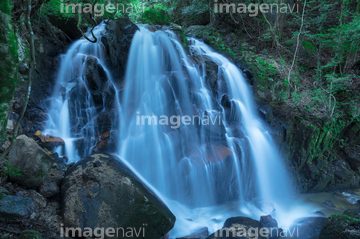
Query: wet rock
x=329 y=203
x=340 y=226
x=15 y=207
x=48 y=141
x=226 y=102
x=232 y=114
x=214 y=129
x=353 y=157
x=199 y=234
x=105 y=135
x=268 y=221
x=110 y=195
x=266 y=113
x=100 y=88
x=217 y=153
x=117 y=41
x=309 y=227
x=211 y=74
x=238 y=228
x=32 y=160
x=95 y=74
x=272 y=225
x=30 y=234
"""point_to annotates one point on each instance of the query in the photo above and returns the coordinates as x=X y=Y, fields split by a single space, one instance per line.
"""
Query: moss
x=41 y=173
x=8 y=64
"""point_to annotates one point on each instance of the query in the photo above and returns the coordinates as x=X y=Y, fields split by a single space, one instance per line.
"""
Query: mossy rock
x=341 y=226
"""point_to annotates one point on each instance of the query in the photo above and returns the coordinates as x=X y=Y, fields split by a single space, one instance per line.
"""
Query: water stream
x=208 y=154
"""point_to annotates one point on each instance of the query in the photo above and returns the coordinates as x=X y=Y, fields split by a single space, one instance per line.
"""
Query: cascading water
x=202 y=148
x=199 y=165
x=79 y=97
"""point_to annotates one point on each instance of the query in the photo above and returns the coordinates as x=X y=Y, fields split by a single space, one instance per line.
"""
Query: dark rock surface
x=238 y=228
x=117 y=41
x=99 y=191
x=201 y=233
x=310 y=227
x=15 y=207
x=33 y=161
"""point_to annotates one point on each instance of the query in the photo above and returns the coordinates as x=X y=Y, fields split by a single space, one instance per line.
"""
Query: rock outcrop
x=33 y=161
x=238 y=228
x=15 y=207
x=99 y=191
x=8 y=66
x=117 y=41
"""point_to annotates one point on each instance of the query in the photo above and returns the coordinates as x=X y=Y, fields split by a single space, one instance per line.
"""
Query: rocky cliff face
x=8 y=65
x=117 y=43
x=50 y=43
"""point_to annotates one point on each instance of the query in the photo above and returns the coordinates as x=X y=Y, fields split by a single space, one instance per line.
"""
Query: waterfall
x=196 y=166
x=195 y=138
x=83 y=91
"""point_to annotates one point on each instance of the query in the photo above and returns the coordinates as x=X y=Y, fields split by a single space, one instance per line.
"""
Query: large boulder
x=33 y=161
x=14 y=208
x=117 y=42
x=99 y=191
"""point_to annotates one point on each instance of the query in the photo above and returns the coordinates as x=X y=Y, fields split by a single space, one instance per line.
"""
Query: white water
x=189 y=166
x=76 y=122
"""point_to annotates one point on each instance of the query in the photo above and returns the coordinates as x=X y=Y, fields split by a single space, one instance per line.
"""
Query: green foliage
x=54 y=8
x=308 y=45
x=8 y=170
x=156 y=15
